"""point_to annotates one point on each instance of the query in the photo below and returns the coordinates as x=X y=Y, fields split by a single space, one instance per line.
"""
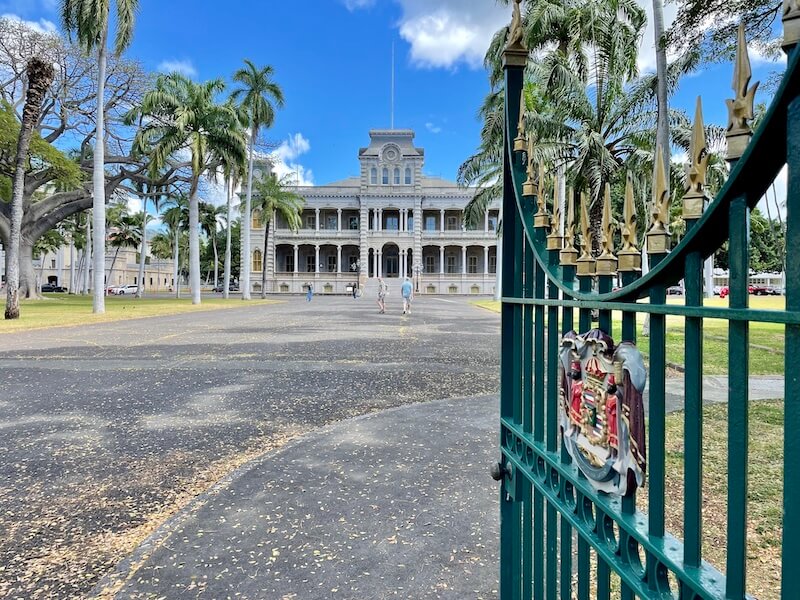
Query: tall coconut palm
x=210 y=216
x=273 y=196
x=40 y=75
x=256 y=97
x=127 y=233
x=183 y=114
x=89 y=20
x=176 y=218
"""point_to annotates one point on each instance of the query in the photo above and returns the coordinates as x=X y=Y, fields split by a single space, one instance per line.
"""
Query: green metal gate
x=561 y=535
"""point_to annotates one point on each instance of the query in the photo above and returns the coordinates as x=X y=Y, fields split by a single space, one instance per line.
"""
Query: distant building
x=391 y=221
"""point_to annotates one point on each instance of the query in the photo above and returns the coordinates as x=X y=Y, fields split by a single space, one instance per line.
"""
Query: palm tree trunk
x=662 y=131
x=143 y=249
x=245 y=260
x=226 y=277
x=99 y=181
x=87 y=255
x=194 y=242
x=216 y=256
x=39 y=77
x=71 y=264
x=264 y=261
x=175 y=268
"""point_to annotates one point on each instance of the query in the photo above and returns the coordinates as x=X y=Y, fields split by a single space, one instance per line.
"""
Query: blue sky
x=333 y=60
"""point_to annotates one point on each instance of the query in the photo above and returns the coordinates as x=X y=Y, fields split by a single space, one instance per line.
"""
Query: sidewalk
x=395 y=504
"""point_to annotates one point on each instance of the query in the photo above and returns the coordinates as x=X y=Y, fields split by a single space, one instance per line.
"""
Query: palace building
x=390 y=221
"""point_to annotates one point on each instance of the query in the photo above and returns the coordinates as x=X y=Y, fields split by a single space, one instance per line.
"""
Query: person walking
x=355 y=290
x=407 y=291
x=383 y=289
x=310 y=292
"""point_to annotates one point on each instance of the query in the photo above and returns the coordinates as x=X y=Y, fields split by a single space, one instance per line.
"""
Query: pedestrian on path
x=383 y=289
x=310 y=292
x=407 y=291
x=355 y=290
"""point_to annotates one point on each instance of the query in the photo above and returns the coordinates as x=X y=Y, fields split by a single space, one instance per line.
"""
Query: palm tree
x=210 y=216
x=273 y=196
x=182 y=114
x=256 y=96
x=127 y=233
x=40 y=75
x=89 y=21
x=176 y=218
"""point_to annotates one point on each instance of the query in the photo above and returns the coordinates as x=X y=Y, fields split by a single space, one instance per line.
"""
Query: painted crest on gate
x=602 y=413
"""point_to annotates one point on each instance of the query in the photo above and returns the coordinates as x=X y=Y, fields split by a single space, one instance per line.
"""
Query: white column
x=296 y=257
x=379 y=270
x=402 y=272
x=441 y=219
x=374 y=263
x=316 y=262
x=463 y=260
x=316 y=220
x=441 y=260
x=339 y=256
x=486 y=260
x=338 y=219
x=486 y=222
x=380 y=219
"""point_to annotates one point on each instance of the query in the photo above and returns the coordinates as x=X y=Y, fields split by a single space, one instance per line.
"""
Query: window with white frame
x=397 y=176
x=472 y=264
x=385 y=176
x=451 y=263
x=331 y=264
x=430 y=223
x=353 y=222
x=373 y=176
x=452 y=223
x=311 y=263
x=492 y=263
x=430 y=264
x=290 y=263
x=408 y=175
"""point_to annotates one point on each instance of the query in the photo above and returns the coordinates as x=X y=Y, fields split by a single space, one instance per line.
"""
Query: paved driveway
x=108 y=430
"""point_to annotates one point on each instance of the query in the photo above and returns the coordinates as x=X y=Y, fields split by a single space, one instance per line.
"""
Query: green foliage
x=273 y=194
x=88 y=19
x=257 y=94
x=42 y=155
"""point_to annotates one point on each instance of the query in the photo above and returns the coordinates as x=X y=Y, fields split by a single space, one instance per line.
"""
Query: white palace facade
x=391 y=221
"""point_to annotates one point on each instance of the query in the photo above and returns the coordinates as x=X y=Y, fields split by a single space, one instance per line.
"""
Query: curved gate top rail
x=576 y=440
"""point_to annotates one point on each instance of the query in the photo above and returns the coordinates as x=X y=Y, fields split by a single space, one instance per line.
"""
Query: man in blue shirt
x=407 y=291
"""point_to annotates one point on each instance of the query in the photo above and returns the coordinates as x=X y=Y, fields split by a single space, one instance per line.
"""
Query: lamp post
x=417 y=270
x=355 y=266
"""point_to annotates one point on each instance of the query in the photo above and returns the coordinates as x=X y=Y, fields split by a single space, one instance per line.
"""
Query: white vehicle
x=126 y=289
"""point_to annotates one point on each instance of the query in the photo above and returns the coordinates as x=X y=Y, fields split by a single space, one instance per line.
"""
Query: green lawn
x=58 y=310
x=766 y=339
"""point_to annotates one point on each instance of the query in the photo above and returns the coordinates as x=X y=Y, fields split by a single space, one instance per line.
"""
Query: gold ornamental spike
x=515 y=53
x=607 y=262
x=695 y=199
x=569 y=255
x=586 y=263
x=740 y=108
x=555 y=241
x=791 y=23
x=541 y=218
x=658 y=237
x=520 y=142
x=529 y=187
x=630 y=259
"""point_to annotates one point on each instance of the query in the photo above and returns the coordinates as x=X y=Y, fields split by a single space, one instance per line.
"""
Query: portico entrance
x=391 y=260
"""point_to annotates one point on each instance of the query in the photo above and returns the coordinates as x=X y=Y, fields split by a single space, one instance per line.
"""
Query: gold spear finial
x=586 y=262
x=569 y=255
x=520 y=142
x=555 y=241
x=529 y=187
x=607 y=262
x=541 y=218
x=740 y=108
x=791 y=23
x=515 y=31
x=658 y=236
x=630 y=259
x=694 y=201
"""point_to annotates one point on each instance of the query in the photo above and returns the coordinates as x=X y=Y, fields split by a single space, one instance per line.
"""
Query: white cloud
x=40 y=26
x=184 y=67
x=433 y=128
x=647 y=49
x=357 y=4
x=444 y=33
x=285 y=157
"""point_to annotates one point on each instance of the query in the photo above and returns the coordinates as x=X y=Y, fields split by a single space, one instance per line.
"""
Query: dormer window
x=385 y=178
x=408 y=175
x=373 y=176
x=396 y=176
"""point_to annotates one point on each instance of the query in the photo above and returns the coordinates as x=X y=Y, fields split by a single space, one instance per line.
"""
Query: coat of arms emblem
x=602 y=413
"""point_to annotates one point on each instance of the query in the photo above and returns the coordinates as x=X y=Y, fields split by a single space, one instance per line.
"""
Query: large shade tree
x=89 y=21
x=258 y=96
x=181 y=115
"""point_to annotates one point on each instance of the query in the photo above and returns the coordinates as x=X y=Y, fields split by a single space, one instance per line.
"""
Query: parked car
x=724 y=291
x=52 y=287
x=112 y=289
x=764 y=290
x=675 y=290
x=233 y=287
x=126 y=289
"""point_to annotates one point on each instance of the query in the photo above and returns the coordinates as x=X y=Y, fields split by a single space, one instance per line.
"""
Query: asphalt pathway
x=107 y=431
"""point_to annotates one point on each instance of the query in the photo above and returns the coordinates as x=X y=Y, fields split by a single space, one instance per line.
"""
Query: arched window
x=408 y=175
x=373 y=176
x=256 y=220
x=396 y=176
x=385 y=174
x=257 y=262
